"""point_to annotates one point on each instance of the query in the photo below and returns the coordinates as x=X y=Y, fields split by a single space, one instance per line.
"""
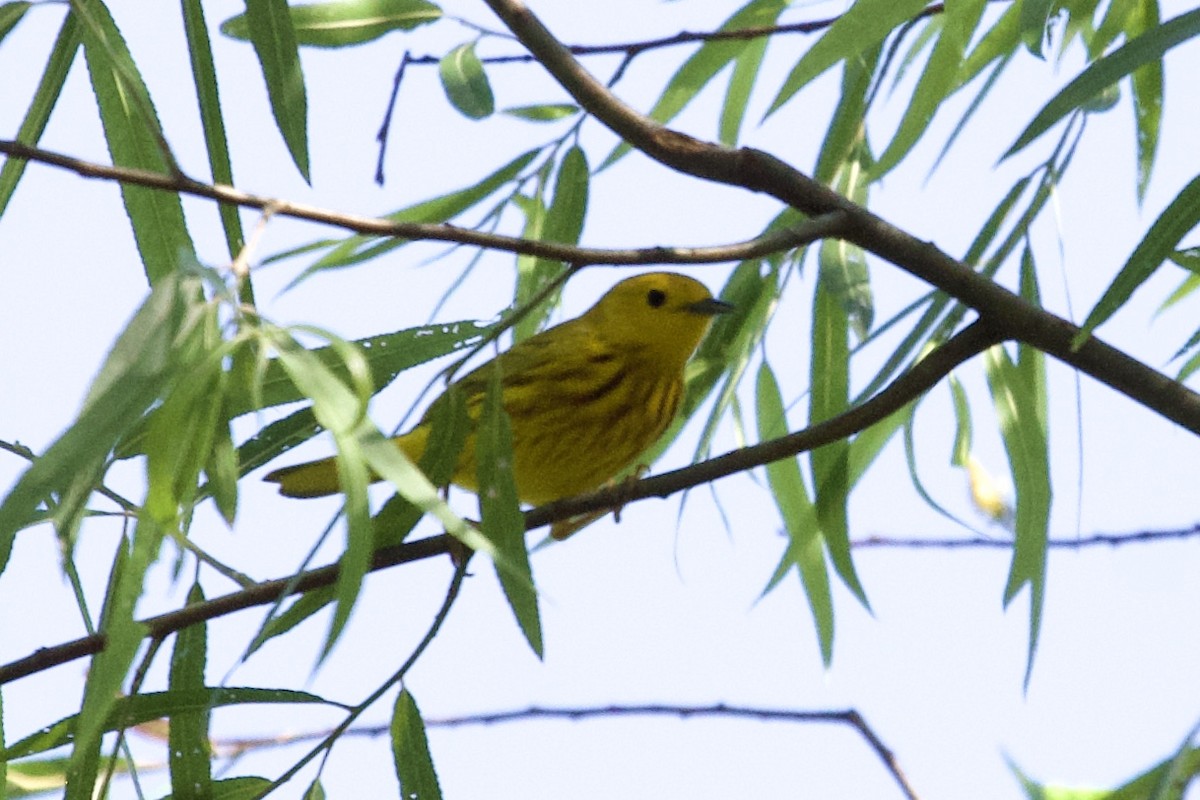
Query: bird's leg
x=561 y=530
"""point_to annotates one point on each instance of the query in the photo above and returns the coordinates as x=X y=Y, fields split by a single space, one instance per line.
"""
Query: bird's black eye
x=656 y=297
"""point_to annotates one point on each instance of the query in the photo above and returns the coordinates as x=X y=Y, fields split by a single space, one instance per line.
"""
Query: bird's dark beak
x=710 y=307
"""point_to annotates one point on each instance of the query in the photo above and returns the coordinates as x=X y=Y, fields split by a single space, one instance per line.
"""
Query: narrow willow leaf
x=410 y=750
x=346 y=22
x=1106 y=71
x=302 y=609
x=466 y=83
x=10 y=15
x=500 y=511
x=829 y=379
x=846 y=129
x=135 y=139
x=359 y=247
x=353 y=479
x=864 y=25
x=961 y=449
x=189 y=755
x=274 y=40
x=530 y=277
x=805 y=550
x=937 y=81
x=705 y=64
x=44 y=99
x=204 y=76
x=742 y=81
x=1022 y=429
x=1147 y=82
x=543 y=112
x=391 y=465
x=1176 y=221
x=1035 y=19
x=106 y=674
x=563 y=224
x=998 y=44
x=137 y=709
x=140 y=365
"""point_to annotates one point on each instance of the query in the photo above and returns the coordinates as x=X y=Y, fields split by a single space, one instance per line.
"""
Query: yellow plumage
x=585 y=398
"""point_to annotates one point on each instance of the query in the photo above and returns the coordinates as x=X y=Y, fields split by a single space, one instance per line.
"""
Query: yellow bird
x=585 y=398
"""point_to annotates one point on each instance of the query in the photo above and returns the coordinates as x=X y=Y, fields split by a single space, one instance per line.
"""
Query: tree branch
x=758 y=171
x=850 y=717
x=767 y=244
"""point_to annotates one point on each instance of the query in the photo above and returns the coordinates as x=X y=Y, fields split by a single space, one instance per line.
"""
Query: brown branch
x=758 y=171
x=767 y=244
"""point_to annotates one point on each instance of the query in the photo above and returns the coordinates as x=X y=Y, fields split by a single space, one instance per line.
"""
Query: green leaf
x=410 y=749
x=274 y=42
x=829 y=396
x=135 y=139
x=744 y=78
x=1035 y=19
x=846 y=131
x=106 y=675
x=303 y=608
x=864 y=25
x=136 y=709
x=44 y=99
x=1159 y=243
x=805 y=549
x=188 y=751
x=138 y=368
x=706 y=63
x=1147 y=82
x=563 y=224
x=346 y=22
x=500 y=512
x=1018 y=393
x=543 y=112
x=466 y=83
x=10 y=15
x=204 y=76
x=1106 y=71
x=359 y=247
x=940 y=77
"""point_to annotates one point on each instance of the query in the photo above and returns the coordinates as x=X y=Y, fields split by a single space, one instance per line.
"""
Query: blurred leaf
x=305 y=606
x=127 y=712
x=10 y=15
x=742 y=80
x=135 y=139
x=962 y=422
x=44 y=99
x=137 y=370
x=563 y=224
x=846 y=130
x=410 y=750
x=108 y=669
x=1035 y=19
x=274 y=40
x=466 y=83
x=1175 y=222
x=360 y=247
x=1147 y=82
x=865 y=24
x=1018 y=394
x=188 y=751
x=502 y=522
x=345 y=22
x=315 y=790
x=543 y=112
x=1104 y=72
x=939 y=78
x=204 y=75
x=805 y=549
x=705 y=64
x=829 y=395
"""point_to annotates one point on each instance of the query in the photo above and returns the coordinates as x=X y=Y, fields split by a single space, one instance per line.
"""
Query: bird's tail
x=320 y=478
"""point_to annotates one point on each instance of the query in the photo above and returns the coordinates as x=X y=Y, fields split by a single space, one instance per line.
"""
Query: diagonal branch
x=758 y=171
x=767 y=244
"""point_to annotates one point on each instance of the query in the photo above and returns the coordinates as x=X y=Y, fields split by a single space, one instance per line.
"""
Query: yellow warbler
x=584 y=398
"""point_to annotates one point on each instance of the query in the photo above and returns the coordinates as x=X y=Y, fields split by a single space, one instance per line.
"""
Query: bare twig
x=823 y=225
x=850 y=717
